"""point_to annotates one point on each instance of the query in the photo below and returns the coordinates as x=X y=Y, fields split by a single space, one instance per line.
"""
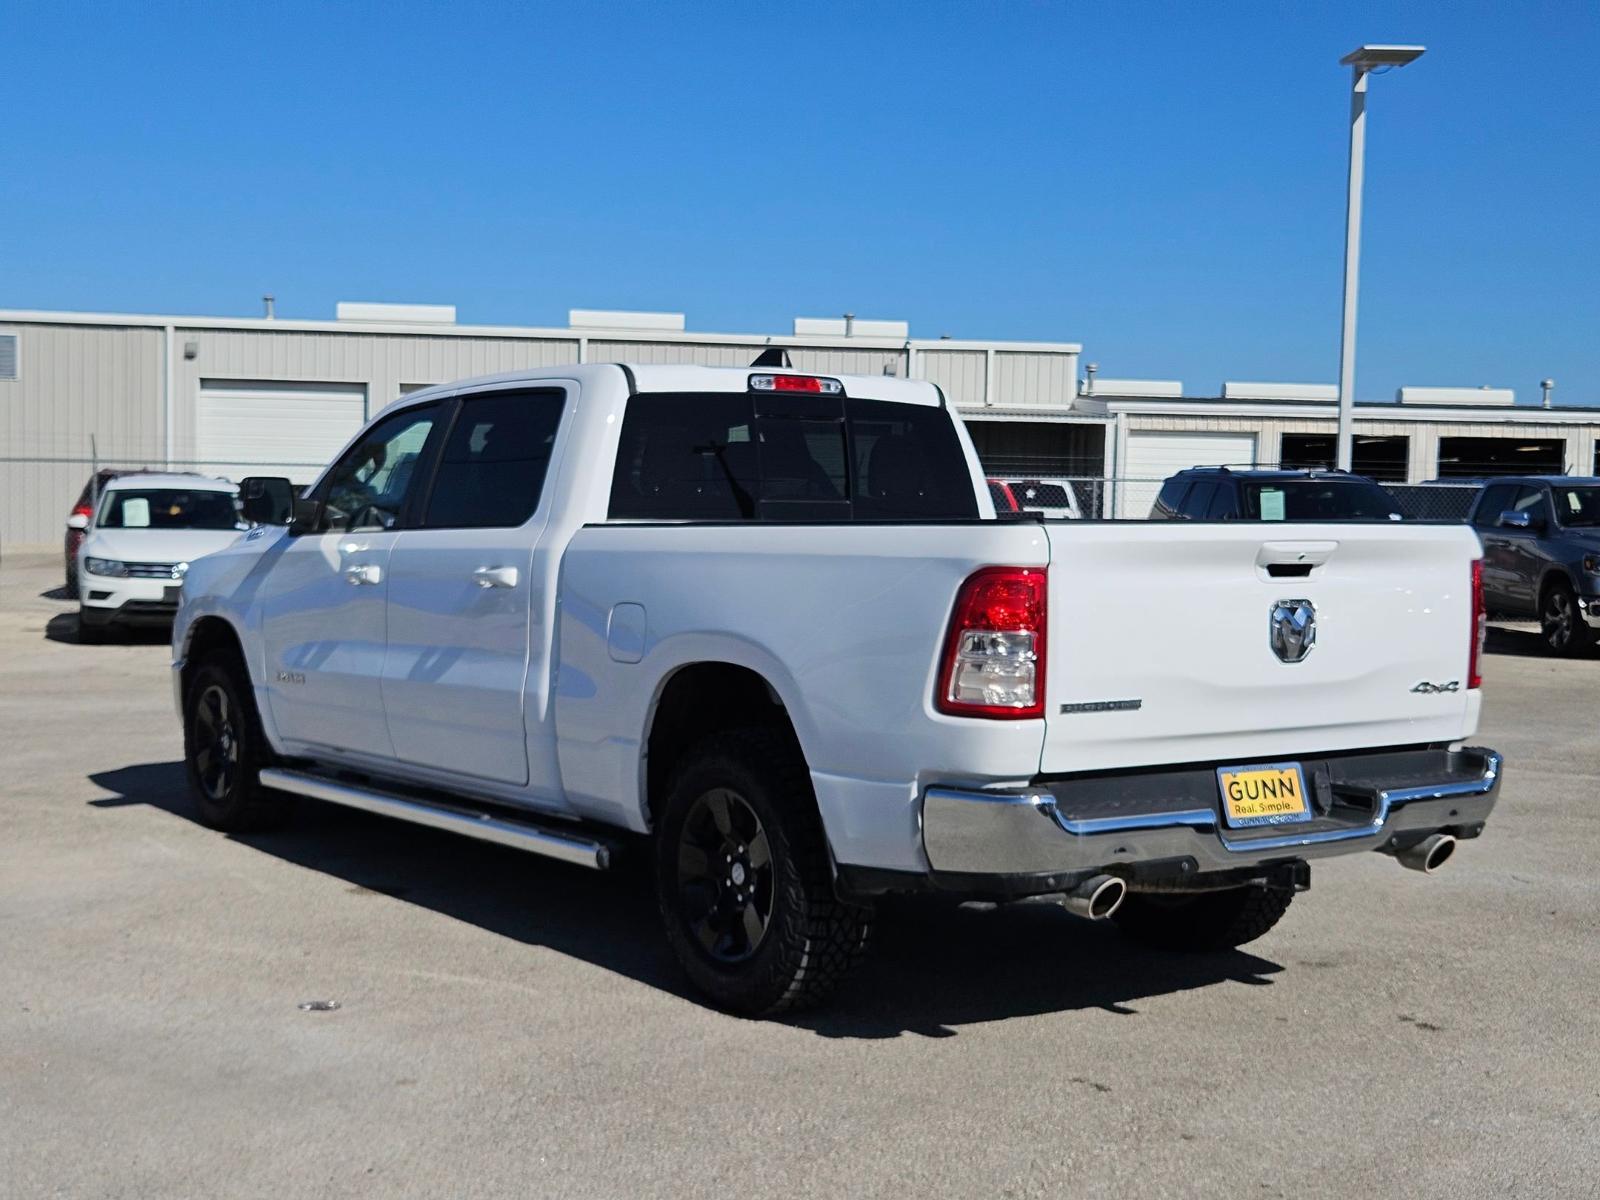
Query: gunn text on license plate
x=1263 y=794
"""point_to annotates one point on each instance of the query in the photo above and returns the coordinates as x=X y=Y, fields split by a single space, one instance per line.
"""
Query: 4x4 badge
x=1433 y=689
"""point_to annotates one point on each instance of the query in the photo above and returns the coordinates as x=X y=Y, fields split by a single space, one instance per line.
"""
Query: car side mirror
x=1516 y=520
x=77 y=521
x=266 y=500
x=307 y=515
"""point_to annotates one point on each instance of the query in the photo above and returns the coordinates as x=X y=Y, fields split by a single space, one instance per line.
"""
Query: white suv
x=141 y=539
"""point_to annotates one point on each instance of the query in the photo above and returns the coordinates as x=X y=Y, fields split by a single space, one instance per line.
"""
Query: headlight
x=1591 y=563
x=106 y=566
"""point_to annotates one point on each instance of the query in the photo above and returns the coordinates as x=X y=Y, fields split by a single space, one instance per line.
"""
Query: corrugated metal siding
x=1027 y=378
x=671 y=354
x=382 y=362
x=73 y=382
x=959 y=372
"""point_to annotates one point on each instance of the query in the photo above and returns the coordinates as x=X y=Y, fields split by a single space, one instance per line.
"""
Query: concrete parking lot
x=512 y=1027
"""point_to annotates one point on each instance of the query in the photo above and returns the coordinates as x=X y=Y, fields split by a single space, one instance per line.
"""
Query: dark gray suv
x=1541 y=554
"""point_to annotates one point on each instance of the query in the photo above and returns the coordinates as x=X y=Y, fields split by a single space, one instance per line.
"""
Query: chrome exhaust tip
x=1429 y=854
x=1097 y=898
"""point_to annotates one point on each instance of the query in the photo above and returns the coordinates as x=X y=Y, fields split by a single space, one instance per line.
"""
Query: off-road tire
x=242 y=805
x=1206 y=921
x=811 y=938
x=1561 y=624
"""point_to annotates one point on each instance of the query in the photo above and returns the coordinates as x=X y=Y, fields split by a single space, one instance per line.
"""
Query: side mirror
x=266 y=500
x=307 y=515
x=77 y=521
x=1516 y=520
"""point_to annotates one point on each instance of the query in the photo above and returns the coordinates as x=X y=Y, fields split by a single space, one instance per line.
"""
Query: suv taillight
x=1479 y=627
x=993 y=663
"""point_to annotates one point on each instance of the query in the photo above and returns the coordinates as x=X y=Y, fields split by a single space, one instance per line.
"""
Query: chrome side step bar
x=569 y=847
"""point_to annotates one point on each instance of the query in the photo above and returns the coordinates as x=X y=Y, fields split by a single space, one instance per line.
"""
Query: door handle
x=490 y=577
x=363 y=573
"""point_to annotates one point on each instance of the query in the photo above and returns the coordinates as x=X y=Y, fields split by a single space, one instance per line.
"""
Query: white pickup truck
x=765 y=625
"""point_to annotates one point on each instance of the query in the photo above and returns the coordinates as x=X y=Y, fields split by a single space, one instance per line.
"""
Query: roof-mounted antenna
x=773 y=356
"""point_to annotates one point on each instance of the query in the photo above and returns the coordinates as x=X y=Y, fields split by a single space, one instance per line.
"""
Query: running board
x=537 y=839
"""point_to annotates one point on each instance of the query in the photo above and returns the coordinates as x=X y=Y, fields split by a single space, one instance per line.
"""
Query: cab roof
x=654 y=377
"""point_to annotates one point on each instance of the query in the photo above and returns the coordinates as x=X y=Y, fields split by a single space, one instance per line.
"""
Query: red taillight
x=796 y=383
x=82 y=510
x=1479 y=627
x=993 y=664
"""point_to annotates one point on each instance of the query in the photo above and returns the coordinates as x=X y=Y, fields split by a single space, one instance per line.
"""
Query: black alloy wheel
x=216 y=743
x=725 y=875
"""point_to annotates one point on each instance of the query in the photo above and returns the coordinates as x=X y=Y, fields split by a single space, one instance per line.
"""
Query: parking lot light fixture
x=1362 y=61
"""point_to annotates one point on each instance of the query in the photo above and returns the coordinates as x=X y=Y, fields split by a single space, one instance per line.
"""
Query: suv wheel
x=1561 y=622
x=224 y=750
x=744 y=880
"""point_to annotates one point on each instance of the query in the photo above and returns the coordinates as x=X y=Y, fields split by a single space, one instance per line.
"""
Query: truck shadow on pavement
x=933 y=967
x=63 y=628
x=1522 y=643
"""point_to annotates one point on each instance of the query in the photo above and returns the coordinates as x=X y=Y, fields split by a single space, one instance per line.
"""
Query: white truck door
x=462 y=626
x=322 y=600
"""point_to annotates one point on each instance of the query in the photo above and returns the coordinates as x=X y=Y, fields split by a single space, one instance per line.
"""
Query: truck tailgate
x=1161 y=645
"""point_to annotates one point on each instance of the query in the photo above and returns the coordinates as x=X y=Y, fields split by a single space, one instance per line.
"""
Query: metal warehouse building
x=236 y=396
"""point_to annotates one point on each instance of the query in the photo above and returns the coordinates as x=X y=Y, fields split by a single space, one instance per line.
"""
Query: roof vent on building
x=8 y=356
x=851 y=326
x=397 y=314
x=1166 y=389
x=1453 y=396
x=597 y=318
x=1233 y=390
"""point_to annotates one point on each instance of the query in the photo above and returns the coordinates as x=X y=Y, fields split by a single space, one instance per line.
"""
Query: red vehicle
x=999 y=491
x=78 y=522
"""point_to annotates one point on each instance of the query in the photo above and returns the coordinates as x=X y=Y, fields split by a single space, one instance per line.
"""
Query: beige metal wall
x=79 y=379
x=384 y=362
x=72 y=381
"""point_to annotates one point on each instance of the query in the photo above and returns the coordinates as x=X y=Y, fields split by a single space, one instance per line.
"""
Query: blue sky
x=1164 y=183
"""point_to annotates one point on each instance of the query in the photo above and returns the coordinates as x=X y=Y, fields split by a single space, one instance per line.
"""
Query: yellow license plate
x=1265 y=794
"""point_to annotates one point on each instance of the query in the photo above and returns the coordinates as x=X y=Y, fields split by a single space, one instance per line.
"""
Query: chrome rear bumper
x=1038 y=831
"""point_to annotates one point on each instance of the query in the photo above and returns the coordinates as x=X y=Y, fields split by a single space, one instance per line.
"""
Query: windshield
x=1577 y=505
x=168 y=508
x=1318 y=500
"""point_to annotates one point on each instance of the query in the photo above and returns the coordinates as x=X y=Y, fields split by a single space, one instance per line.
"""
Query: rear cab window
x=730 y=456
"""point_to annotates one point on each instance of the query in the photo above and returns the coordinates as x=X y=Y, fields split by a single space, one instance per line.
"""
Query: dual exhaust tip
x=1100 y=896
x=1428 y=855
x=1096 y=898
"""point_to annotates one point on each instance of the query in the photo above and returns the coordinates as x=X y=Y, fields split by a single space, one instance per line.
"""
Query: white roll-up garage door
x=1152 y=457
x=269 y=428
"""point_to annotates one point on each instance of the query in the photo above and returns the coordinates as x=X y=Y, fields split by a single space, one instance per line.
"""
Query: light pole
x=1362 y=62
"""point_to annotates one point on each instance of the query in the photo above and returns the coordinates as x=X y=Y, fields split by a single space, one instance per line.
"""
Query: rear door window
x=1221 y=507
x=1169 y=503
x=492 y=468
x=1198 y=502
